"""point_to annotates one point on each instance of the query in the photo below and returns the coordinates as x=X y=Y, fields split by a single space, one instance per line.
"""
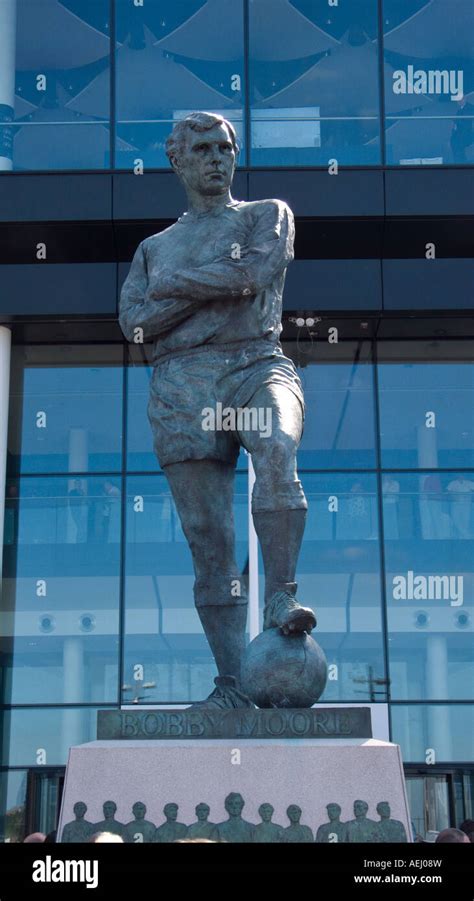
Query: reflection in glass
x=62 y=84
x=65 y=409
x=61 y=590
x=194 y=52
x=448 y=730
x=43 y=735
x=429 y=556
x=426 y=392
x=338 y=387
x=298 y=54
x=429 y=58
x=13 y=786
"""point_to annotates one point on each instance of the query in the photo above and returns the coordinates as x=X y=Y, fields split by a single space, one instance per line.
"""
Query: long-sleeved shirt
x=212 y=278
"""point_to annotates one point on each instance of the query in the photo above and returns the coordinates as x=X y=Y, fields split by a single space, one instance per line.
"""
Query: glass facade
x=304 y=82
x=98 y=607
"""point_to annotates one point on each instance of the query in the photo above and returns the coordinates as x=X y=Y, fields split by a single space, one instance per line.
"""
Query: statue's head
x=360 y=808
x=79 y=808
x=234 y=804
x=294 y=813
x=139 y=810
x=202 y=811
x=383 y=809
x=109 y=809
x=170 y=811
x=202 y=150
x=266 y=812
x=334 y=811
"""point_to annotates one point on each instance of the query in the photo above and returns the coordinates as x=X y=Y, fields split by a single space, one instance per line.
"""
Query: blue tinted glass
x=314 y=85
x=429 y=68
x=13 y=785
x=426 y=404
x=61 y=590
x=172 y=59
x=43 y=736
x=163 y=634
x=140 y=454
x=422 y=729
x=339 y=575
x=60 y=84
x=338 y=388
x=65 y=408
x=429 y=557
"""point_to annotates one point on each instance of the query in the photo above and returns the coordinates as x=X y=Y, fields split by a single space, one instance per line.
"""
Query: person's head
x=139 y=810
x=334 y=811
x=170 y=811
x=294 y=813
x=109 y=837
x=34 y=838
x=109 y=809
x=360 y=808
x=202 y=149
x=383 y=810
x=451 y=836
x=266 y=812
x=202 y=811
x=234 y=804
x=79 y=809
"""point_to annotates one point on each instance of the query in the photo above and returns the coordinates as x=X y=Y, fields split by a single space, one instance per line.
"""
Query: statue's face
x=109 y=809
x=234 y=805
x=383 y=809
x=80 y=809
x=170 y=811
x=294 y=813
x=139 y=810
x=333 y=811
x=202 y=811
x=360 y=808
x=207 y=161
x=265 y=811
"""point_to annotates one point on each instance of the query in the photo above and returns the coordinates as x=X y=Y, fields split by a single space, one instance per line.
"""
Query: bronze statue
x=295 y=832
x=334 y=831
x=361 y=829
x=390 y=830
x=202 y=828
x=139 y=826
x=235 y=829
x=266 y=831
x=208 y=291
x=170 y=830
x=79 y=830
x=109 y=823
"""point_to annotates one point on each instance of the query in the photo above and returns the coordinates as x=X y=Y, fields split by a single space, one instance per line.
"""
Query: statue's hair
x=199 y=122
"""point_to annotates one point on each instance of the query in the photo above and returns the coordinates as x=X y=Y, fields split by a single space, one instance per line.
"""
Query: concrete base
x=309 y=773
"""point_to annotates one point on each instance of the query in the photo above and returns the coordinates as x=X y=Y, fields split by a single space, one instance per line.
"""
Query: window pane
x=429 y=556
x=422 y=729
x=163 y=634
x=429 y=56
x=173 y=58
x=43 y=736
x=339 y=575
x=314 y=83
x=61 y=85
x=65 y=409
x=338 y=387
x=426 y=404
x=60 y=614
x=13 y=805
